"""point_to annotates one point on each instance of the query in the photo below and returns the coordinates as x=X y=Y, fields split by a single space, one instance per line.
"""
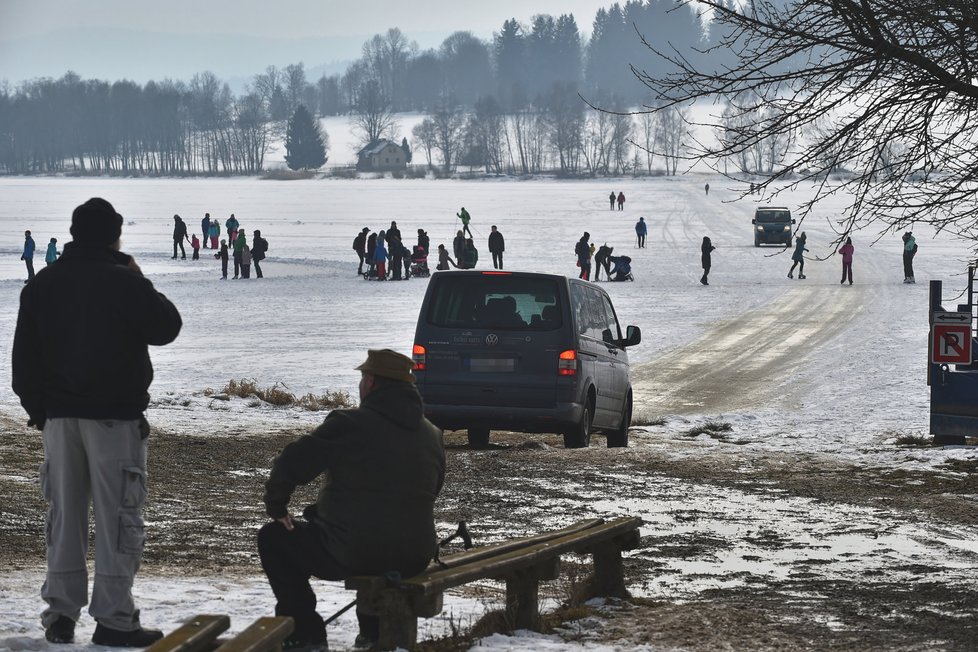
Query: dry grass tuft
x=280 y=396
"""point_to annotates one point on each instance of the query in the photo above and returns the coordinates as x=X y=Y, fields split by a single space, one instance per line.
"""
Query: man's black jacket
x=384 y=464
x=80 y=347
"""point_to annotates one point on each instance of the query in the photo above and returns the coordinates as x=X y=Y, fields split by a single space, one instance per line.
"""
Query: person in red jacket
x=621 y=201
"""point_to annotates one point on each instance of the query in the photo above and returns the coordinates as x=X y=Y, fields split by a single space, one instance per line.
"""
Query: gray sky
x=144 y=39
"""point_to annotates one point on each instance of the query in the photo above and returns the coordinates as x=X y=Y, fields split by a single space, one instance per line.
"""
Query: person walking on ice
x=205 y=228
x=259 y=247
x=179 y=235
x=798 y=256
x=621 y=201
x=847 y=250
x=52 y=253
x=909 y=251
x=496 y=247
x=611 y=200
x=641 y=229
x=706 y=250
x=465 y=217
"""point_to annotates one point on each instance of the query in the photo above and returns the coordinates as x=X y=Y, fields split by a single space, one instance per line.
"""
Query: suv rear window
x=497 y=302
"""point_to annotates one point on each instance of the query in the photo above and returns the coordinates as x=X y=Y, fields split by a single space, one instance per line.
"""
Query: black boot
x=61 y=631
x=121 y=638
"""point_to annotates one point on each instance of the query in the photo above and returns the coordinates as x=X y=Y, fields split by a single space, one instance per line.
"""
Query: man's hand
x=287 y=522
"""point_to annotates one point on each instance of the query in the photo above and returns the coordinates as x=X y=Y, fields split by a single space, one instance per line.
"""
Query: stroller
x=623 y=268
x=419 y=261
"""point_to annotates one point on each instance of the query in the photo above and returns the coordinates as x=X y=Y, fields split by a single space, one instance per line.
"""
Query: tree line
x=509 y=104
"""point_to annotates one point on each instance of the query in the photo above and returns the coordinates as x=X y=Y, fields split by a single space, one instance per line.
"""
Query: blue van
x=772 y=225
x=524 y=352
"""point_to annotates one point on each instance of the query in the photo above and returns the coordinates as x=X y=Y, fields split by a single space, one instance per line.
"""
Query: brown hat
x=389 y=364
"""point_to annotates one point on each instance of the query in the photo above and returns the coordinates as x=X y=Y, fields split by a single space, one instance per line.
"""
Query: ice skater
x=799 y=256
x=847 y=250
x=465 y=217
x=706 y=250
x=909 y=251
x=52 y=253
x=179 y=235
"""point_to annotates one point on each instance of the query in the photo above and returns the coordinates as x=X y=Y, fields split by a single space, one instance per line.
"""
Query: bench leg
x=522 y=606
x=609 y=572
x=398 y=624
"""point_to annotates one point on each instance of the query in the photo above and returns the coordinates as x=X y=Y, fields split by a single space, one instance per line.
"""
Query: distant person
x=706 y=250
x=601 y=260
x=371 y=249
x=847 y=250
x=707 y=188
x=465 y=217
x=380 y=257
x=245 y=261
x=52 y=253
x=424 y=241
x=179 y=235
x=237 y=246
x=909 y=251
x=205 y=228
x=222 y=255
x=798 y=256
x=583 y=251
x=195 y=246
x=444 y=259
x=259 y=248
x=752 y=187
x=621 y=201
x=214 y=233
x=360 y=247
x=458 y=246
x=611 y=199
x=470 y=255
x=641 y=229
x=82 y=371
x=496 y=247
x=231 y=224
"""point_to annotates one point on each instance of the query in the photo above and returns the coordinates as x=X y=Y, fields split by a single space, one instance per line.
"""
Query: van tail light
x=567 y=363
x=418 y=355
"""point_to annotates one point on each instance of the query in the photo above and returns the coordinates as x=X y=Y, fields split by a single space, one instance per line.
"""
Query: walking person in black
x=360 y=246
x=423 y=241
x=583 y=251
x=371 y=248
x=601 y=261
x=611 y=199
x=496 y=247
x=259 y=247
x=798 y=256
x=223 y=256
x=205 y=228
x=179 y=235
x=707 y=249
x=458 y=246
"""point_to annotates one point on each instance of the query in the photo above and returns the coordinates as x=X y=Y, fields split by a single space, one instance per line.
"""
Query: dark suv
x=524 y=352
x=772 y=225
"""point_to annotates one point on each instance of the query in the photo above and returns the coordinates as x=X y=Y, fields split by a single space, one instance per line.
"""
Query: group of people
x=241 y=253
x=27 y=255
x=86 y=390
x=619 y=199
x=387 y=257
x=585 y=251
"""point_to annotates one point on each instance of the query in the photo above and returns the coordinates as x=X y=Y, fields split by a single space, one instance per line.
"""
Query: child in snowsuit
x=223 y=255
x=380 y=257
x=847 y=250
x=245 y=262
x=706 y=249
x=52 y=253
x=444 y=259
x=195 y=245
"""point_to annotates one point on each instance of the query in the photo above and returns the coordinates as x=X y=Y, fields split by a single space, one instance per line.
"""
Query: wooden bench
x=201 y=633
x=521 y=563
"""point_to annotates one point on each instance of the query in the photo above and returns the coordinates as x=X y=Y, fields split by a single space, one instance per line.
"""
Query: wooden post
x=522 y=606
x=398 y=624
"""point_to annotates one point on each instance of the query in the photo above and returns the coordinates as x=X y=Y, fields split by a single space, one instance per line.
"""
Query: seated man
x=384 y=464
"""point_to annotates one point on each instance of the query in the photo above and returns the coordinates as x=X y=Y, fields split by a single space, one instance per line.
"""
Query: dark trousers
x=907 y=264
x=257 y=263
x=847 y=272
x=586 y=271
x=30 y=268
x=360 y=267
x=602 y=264
x=801 y=267
x=196 y=255
x=245 y=271
x=497 y=260
x=706 y=275
x=289 y=559
x=237 y=264
x=396 y=268
x=224 y=268
x=205 y=232
x=641 y=241
x=183 y=252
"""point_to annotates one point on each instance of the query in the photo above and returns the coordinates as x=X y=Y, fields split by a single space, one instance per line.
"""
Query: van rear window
x=496 y=302
x=773 y=216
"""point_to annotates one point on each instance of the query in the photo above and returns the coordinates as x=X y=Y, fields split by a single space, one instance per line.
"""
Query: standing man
x=205 y=228
x=641 y=229
x=909 y=251
x=28 y=255
x=465 y=217
x=238 y=246
x=496 y=247
x=179 y=235
x=84 y=382
x=232 y=225
x=360 y=246
x=384 y=465
x=259 y=247
x=583 y=251
x=611 y=199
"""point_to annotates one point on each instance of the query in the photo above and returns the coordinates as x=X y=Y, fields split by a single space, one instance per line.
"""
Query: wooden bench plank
x=195 y=635
x=439 y=580
x=371 y=582
x=264 y=635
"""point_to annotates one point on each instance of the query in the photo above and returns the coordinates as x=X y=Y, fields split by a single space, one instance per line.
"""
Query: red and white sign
x=950 y=344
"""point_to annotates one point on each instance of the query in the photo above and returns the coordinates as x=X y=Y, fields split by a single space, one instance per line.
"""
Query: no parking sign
x=950 y=343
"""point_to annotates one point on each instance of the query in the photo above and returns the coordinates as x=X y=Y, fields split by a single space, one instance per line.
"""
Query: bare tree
x=865 y=73
x=426 y=135
x=449 y=123
x=670 y=137
x=373 y=116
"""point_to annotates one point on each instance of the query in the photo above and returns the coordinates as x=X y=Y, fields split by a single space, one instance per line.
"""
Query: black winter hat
x=96 y=222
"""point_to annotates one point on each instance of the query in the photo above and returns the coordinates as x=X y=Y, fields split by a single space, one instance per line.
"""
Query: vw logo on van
x=492 y=339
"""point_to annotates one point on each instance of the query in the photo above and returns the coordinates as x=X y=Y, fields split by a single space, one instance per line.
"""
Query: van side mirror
x=633 y=335
x=755 y=221
x=793 y=220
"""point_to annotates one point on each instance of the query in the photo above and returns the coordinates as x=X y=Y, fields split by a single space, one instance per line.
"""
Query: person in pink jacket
x=846 y=251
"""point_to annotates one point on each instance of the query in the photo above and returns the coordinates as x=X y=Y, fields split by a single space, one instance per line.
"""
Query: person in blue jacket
x=641 y=229
x=28 y=255
x=205 y=228
x=52 y=253
x=380 y=257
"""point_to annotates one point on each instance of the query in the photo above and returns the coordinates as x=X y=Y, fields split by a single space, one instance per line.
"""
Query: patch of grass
x=288 y=175
x=641 y=421
x=715 y=429
x=280 y=396
x=915 y=440
x=327 y=401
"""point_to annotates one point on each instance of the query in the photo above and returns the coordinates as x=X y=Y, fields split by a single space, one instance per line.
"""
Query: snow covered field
x=806 y=367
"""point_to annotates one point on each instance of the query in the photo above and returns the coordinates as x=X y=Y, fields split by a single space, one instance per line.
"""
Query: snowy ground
x=809 y=369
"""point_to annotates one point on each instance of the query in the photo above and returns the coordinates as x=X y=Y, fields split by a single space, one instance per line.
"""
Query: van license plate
x=492 y=365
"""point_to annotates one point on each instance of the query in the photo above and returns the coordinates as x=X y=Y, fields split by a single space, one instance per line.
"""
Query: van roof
x=496 y=272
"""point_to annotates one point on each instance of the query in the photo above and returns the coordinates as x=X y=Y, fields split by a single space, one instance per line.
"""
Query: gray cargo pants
x=102 y=462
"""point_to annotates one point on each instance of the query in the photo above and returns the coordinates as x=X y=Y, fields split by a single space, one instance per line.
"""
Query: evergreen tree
x=407 y=150
x=305 y=144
